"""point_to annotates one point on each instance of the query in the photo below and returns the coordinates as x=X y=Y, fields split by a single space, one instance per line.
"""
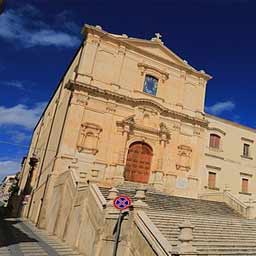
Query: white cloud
x=8 y=167
x=21 y=115
x=14 y=83
x=50 y=37
x=220 y=107
x=17 y=136
x=18 y=26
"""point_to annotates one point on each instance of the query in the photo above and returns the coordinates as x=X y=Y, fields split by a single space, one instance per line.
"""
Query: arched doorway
x=138 y=162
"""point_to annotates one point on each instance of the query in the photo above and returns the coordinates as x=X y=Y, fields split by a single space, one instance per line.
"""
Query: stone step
x=203 y=229
x=219 y=230
x=217 y=219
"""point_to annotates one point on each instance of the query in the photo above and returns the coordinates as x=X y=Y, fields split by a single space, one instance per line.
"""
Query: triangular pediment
x=154 y=48
x=158 y=49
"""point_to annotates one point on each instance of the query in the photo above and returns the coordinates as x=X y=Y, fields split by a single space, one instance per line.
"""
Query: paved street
x=18 y=238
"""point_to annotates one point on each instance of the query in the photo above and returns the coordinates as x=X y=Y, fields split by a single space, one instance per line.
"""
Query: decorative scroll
x=88 y=138
x=184 y=162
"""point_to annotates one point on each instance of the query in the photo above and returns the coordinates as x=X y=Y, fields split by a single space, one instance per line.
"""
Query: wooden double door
x=138 y=162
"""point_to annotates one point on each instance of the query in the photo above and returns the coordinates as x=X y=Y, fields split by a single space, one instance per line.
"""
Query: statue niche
x=184 y=158
x=88 y=138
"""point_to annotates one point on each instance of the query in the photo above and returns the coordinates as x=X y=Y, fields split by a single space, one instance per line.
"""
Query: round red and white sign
x=122 y=202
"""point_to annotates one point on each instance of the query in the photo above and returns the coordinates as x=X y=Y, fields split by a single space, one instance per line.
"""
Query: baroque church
x=128 y=117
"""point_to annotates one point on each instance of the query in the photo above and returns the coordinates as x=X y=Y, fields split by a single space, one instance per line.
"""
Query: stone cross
x=158 y=36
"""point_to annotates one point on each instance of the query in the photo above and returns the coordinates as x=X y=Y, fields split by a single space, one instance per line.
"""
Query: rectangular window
x=244 y=185
x=211 y=180
x=246 y=150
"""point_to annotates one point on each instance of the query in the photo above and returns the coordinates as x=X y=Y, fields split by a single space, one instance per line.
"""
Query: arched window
x=150 y=84
x=214 y=141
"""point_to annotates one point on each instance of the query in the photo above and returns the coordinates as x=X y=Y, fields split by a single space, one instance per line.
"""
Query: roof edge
x=230 y=122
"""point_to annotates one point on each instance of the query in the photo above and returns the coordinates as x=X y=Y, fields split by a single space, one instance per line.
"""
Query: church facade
x=129 y=109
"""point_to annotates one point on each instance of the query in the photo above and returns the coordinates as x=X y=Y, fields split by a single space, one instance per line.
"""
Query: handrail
x=100 y=199
x=231 y=200
x=230 y=195
x=154 y=237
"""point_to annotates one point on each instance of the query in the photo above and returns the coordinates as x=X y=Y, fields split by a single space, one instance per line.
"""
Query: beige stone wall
x=228 y=162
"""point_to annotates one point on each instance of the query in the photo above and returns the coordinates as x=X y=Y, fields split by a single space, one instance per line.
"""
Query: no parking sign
x=122 y=202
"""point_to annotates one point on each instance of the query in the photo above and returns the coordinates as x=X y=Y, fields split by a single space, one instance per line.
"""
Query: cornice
x=247 y=140
x=229 y=122
x=120 y=98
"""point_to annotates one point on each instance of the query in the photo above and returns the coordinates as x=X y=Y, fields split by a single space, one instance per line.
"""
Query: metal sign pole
x=118 y=229
x=121 y=203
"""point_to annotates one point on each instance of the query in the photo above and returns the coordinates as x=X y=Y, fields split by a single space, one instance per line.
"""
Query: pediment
x=154 y=48
x=158 y=49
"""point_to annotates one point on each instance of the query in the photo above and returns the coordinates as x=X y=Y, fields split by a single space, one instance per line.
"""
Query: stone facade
x=103 y=116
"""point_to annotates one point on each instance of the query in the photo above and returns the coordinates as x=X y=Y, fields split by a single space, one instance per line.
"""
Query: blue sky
x=39 y=38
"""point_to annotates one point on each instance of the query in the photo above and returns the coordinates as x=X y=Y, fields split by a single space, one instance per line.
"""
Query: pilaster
x=88 y=56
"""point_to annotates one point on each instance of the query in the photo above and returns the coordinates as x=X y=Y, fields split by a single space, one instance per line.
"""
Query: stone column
x=185 y=238
x=159 y=173
x=118 y=66
x=119 y=172
x=140 y=193
x=121 y=156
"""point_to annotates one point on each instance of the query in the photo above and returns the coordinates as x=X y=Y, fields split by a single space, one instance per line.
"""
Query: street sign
x=122 y=202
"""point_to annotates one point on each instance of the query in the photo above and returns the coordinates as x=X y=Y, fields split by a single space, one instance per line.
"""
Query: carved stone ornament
x=164 y=132
x=184 y=159
x=80 y=99
x=88 y=138
x=145 y=68
x=127 y=124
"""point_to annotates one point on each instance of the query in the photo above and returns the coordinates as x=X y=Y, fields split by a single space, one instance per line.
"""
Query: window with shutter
x=214 y=141
x=211 y=180
x=245 y=185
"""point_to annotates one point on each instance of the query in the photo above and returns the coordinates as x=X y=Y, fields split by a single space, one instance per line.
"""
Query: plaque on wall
x=181 y=183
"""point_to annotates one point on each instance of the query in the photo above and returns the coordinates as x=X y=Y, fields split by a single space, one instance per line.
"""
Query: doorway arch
x=138 y=162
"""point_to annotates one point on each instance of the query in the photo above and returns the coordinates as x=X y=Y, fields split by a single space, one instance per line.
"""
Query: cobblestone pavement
x=19 y=237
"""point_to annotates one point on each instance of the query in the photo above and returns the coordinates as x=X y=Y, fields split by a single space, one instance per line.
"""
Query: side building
x=131 y=110
x=229 y=159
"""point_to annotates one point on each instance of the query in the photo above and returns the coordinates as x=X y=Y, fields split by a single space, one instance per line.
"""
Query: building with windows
x=131 y=110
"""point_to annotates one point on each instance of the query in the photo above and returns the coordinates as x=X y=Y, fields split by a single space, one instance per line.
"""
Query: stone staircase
x=219 y=230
